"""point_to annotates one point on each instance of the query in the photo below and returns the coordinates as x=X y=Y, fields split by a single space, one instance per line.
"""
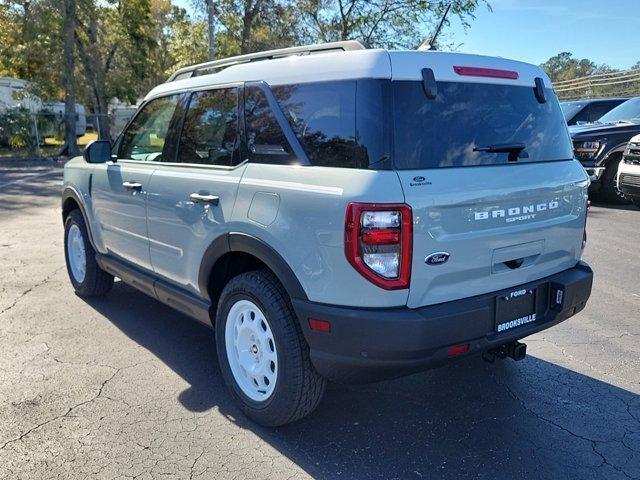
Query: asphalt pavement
x=125 y=387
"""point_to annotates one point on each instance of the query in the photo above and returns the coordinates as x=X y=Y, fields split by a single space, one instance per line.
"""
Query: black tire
x=635 y=201
x=96 y=282
x=298 y=388
x=609 y=192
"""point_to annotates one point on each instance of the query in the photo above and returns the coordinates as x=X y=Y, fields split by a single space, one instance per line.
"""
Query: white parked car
x=629 y=171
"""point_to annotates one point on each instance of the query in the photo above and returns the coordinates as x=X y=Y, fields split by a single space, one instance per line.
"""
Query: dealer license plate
x=515 y=309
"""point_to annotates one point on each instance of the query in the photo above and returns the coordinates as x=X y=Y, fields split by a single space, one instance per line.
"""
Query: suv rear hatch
x=487 y=167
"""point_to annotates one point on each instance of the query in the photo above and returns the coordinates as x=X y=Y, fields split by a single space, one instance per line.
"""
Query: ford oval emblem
x=437 y=258
x=419 y=179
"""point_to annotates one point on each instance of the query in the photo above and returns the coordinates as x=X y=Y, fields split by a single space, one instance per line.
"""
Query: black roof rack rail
x=211 y=67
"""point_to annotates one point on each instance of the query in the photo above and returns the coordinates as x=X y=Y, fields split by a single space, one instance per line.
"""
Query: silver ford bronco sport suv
x=338 y=212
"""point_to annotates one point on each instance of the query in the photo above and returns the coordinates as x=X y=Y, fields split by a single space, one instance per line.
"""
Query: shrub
x=16 y=128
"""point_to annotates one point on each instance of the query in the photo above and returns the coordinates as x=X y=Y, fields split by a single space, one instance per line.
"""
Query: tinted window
x=374 y=122
x=628 y=111
x=265 y=139
x=323 y=118
x=210 y=129
x=145 y=138
x=600 y=108
x=583 y=116
x=443 y=132
x=569 y=109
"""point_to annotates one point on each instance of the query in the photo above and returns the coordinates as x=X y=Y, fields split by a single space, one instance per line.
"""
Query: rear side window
x=444 y=132
x=323 y=118
x=600 y=108
x=210 y=129
x=265 y=139
x=145 y=137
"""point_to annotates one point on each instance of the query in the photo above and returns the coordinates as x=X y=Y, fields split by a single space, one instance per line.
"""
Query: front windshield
x=628 y=111
x=569 y=109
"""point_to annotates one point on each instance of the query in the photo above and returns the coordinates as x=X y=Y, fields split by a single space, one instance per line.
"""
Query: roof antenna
x=430 y=43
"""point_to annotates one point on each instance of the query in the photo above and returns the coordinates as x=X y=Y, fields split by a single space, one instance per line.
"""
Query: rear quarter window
x=323 y=118
x=339 y=124
x=443 y=132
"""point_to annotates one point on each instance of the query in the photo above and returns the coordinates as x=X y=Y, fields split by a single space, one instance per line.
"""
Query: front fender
x=70 y=194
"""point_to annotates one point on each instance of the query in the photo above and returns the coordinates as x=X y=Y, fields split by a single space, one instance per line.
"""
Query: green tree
x=244 y=26
x=113 y=43
x=564 y=66
x=381 y=23
x=30 y=44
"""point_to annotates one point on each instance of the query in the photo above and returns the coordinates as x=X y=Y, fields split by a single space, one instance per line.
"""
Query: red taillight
x=377 y=242
x=486 y=72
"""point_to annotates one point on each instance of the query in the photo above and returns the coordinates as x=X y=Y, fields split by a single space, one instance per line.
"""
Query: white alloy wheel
x=76 y=253
x=251 y=350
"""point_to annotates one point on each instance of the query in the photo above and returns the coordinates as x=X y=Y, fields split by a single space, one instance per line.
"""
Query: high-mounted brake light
x=486 y=72
x=377 y=242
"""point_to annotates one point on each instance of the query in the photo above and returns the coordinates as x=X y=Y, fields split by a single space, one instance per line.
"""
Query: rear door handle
x=199 y=198
x=132 y=185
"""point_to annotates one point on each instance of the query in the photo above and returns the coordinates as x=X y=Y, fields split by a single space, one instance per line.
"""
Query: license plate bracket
x=515 y=309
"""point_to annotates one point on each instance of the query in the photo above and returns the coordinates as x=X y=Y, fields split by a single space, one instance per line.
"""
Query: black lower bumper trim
x=367 y=345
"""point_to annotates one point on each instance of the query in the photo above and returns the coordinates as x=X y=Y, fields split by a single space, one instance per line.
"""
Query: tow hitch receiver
x=515 y=350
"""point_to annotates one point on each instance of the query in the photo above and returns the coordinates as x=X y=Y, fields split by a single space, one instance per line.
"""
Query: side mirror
x=97 y=151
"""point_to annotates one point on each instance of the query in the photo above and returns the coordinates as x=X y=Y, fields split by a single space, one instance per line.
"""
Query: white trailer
x=14 y=93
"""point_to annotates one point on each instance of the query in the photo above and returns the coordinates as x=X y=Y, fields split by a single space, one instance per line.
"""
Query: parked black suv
x=580 y=112
x=599 y=147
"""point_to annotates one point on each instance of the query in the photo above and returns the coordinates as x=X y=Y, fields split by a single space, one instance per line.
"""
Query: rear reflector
x=486 y=72
x=380 y=236
x=458 y=350
x=319 y=325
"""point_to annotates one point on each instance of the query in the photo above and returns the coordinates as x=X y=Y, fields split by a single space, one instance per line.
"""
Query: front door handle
x=132 y=185
x=199 y=198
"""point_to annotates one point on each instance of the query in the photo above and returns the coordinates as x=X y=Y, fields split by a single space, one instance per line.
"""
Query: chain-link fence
x=28 y=135
x=616 y=84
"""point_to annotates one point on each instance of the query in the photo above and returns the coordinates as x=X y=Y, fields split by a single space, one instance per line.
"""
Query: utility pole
x=211 y=29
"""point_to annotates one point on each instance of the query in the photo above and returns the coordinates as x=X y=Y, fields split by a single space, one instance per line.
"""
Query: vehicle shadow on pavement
x=22 y=188
x=531 y=419
x=611 y=206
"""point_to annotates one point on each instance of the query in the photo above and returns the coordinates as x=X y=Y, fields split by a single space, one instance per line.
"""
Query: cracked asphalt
x=125 y=387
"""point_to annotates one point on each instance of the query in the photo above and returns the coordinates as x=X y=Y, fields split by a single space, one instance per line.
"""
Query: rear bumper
x=367 y=345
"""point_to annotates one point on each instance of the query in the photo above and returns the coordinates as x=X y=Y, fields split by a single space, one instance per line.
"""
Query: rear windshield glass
x=445 y=131
x=628 y=111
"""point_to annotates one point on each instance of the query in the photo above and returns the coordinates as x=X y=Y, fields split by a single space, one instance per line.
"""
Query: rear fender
x=242 y=242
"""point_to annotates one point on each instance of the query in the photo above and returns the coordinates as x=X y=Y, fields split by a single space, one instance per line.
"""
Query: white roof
x=370 y=63
x=13 y=82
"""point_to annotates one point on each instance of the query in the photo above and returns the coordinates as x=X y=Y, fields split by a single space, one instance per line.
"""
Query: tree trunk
x=211 y=30
x=96 y=74
x=69 y=64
